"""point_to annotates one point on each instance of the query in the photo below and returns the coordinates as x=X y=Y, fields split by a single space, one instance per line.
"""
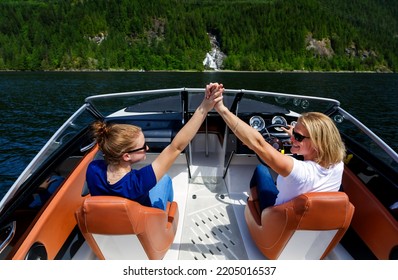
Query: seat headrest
x=321 y=210
x=113 y=215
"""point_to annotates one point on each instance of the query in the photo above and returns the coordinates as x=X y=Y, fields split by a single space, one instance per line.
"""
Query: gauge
x=279 y=120
x=257 y=122
x=282 y=100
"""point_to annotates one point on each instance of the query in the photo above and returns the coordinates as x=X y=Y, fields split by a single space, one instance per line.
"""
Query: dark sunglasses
x=139 y=149
x=298 y=136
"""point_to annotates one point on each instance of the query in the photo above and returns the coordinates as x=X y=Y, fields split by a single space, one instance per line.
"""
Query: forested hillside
x=255 y=35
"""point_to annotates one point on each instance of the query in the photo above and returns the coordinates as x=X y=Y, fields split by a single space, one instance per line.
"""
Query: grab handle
x=8 y=231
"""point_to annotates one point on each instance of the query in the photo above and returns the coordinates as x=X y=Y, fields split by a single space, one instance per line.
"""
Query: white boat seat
x=307 y=227
x=119 y=228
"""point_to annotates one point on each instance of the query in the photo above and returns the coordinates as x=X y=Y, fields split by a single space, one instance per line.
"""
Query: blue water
x=34 y=104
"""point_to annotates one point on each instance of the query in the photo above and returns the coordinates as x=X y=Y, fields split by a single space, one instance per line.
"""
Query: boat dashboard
x=270 y=127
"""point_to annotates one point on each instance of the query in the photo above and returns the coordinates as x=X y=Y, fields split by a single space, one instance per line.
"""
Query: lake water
x=34 y=104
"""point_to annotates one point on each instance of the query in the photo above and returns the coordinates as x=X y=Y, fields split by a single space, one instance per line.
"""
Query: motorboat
x=213 y=214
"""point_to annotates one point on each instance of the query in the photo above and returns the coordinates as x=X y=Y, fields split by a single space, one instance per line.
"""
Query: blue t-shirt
x=135 y=185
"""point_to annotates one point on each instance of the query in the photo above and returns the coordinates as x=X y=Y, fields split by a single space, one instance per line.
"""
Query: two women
x=315 y=137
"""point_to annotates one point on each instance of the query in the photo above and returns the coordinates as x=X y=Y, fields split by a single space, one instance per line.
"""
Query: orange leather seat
x=307 y=227
x=119 y=228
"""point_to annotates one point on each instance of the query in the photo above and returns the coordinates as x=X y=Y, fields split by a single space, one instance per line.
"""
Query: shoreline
x=204 y=71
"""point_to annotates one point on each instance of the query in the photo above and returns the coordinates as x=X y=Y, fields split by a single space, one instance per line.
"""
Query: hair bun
x=100 y=130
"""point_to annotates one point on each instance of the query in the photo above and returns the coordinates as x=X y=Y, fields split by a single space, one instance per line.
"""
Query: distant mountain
x=256 y=35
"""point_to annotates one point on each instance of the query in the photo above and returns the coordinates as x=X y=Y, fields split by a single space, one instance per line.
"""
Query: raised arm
x=166 y=158
x=280 y=163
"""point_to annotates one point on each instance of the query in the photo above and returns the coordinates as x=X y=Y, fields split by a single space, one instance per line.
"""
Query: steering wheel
x=272 y=140
x=257 y=122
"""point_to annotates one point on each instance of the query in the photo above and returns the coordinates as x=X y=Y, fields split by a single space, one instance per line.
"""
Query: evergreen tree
x=173 y=34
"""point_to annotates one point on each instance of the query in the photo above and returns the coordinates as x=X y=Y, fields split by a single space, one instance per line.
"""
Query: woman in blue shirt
x=124 y=144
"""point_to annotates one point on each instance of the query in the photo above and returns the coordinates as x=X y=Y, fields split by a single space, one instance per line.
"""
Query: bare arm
x=167 y=157
x=280 y=163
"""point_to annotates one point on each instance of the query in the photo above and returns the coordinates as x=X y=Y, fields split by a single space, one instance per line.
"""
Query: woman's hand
x=46 y=183
x=213 y=95
x=288 y=130
x=214 y=92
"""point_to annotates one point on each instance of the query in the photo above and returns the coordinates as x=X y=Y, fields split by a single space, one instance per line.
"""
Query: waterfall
x=214 y=59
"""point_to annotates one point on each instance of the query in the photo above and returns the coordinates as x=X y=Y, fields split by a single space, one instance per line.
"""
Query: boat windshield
x=360 y=137
x=61 y=139
x=178 y=100
x=186 y=100
x=169 y=100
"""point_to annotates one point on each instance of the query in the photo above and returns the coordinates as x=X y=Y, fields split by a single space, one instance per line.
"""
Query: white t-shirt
x=308 y=176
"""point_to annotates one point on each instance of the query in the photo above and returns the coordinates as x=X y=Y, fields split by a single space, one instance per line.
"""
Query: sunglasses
x=298 y=136
x=139 y=149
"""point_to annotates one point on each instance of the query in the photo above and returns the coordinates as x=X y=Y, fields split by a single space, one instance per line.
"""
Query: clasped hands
x=214 y=91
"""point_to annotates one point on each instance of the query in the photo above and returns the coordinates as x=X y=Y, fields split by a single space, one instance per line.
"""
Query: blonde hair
x=115 y=139
x=325 y=138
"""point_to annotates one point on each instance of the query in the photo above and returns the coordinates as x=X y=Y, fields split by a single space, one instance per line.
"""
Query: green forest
x=171 y=35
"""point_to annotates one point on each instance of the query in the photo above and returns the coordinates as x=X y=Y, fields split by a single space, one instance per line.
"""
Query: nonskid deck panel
x=210 y=230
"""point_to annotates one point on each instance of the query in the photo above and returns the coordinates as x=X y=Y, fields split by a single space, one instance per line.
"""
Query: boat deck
x=212 y=224
x=210 y=229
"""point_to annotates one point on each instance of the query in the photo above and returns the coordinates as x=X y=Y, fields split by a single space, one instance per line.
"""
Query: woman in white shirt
x=315 y=137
